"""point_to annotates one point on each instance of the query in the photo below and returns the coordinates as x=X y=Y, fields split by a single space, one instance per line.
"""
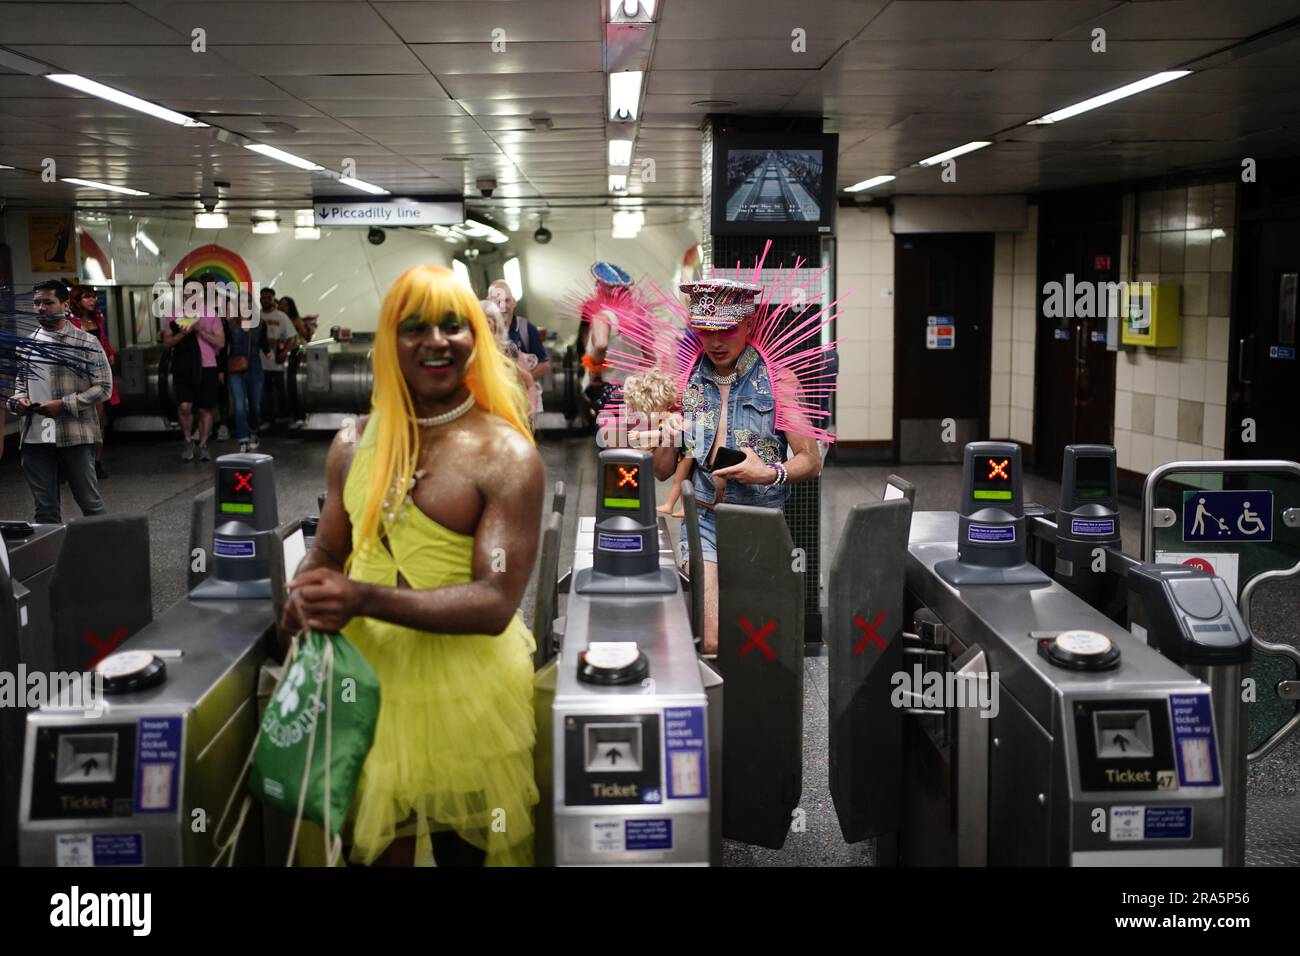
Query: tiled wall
x=865 y=284
x=1015 y=307
x=1171 y=403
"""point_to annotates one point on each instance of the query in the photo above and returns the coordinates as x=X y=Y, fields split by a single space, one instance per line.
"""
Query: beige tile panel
x=1143 y=414
x=1166 y=417
x=1191 y=419
x=1193 y=337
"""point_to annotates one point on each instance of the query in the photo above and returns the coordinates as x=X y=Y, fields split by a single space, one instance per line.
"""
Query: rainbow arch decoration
x=214 y=258
x=90 y=250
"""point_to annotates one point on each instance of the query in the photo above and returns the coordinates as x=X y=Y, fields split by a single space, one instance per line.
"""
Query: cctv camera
x=542 y=235
x=486 y=186
x=376 y=236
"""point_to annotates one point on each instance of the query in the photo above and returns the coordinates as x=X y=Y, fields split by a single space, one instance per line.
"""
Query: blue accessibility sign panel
x=1227 y=516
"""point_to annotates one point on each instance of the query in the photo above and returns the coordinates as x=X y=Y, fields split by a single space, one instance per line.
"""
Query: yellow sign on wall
x=1151 y=315
x=52 y=241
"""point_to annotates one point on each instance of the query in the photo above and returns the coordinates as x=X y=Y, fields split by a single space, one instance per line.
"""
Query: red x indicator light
x=626 y=477
x=244 y=481
x=998 y=469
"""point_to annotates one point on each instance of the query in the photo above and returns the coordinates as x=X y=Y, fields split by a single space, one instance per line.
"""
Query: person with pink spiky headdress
x=753 y=376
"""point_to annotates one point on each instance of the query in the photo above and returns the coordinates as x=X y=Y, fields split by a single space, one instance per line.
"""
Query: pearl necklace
x=458 y=412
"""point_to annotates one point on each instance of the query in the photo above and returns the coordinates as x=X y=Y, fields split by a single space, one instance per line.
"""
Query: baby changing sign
x=1227 y=516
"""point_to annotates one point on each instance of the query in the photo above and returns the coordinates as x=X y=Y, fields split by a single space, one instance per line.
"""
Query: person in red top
x=83 y=312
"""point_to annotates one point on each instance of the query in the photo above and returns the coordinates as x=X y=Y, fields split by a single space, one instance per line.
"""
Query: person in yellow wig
x=425 y=545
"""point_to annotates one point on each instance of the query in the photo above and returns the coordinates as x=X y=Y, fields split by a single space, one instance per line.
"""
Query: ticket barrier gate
x=138 y=771
x=1199 y=515
x=1036 y=730
x=628 y=754
x=63 y=620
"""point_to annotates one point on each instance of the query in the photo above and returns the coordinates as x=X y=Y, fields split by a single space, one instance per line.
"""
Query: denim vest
x=751 y=423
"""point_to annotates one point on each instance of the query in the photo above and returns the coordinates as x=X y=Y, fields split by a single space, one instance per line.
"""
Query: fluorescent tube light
x=514 y=278
x=210 y=220
x=869 y=183
x=952 y=153
x=620 y=152
x=1158 y=79
x=625 y=95
x=617 y=182
x=282 y=156
x=84 y=85
x=109 y=187
x=364 y=186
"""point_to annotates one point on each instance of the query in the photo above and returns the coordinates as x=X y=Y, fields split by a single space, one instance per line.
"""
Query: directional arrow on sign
x=613 y=755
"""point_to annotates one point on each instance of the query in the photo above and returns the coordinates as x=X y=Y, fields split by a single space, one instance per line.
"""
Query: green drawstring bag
x=313 y=739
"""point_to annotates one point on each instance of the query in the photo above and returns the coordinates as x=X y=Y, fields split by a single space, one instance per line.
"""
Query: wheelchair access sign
x=1227 y=516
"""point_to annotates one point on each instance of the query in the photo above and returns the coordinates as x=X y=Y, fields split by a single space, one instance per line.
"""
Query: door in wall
x=1074 y=374
x=1263 y=368
x=943 y=313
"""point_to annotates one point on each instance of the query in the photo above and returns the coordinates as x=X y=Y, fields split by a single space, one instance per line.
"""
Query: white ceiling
x=401 y=86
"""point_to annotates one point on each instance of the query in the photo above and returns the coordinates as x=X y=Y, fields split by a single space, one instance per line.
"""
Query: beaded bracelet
x=781 y=474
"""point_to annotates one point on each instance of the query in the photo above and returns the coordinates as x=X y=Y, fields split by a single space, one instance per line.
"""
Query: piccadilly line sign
x=395 y=211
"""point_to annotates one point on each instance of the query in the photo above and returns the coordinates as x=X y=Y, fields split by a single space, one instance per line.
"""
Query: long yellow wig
x=431 y=292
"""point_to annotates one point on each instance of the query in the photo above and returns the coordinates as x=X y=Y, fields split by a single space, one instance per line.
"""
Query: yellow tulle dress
x=453 y=746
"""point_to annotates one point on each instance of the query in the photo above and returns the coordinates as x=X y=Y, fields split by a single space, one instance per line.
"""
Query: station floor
x=148 y=476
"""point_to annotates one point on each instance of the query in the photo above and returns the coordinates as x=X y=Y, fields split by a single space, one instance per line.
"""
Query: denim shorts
x=708 y=537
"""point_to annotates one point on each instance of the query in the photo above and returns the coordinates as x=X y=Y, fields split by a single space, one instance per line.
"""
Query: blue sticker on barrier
x=1167 y=823
x=1097 y=526
x=1228 y=515
x=648 y=834
x=234 y=548
x=688 y=753
x=117 y=849
x=1281 y=351
x=1198 y=764
x=158 y=759
x=982 y=533
x=618 y=542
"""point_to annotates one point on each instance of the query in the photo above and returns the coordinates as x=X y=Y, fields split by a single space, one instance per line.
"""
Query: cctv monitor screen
x=767 y=184
x=774 y=185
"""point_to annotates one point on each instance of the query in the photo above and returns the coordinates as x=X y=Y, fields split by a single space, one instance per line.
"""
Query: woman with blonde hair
x=532 y=388
x=423 y=551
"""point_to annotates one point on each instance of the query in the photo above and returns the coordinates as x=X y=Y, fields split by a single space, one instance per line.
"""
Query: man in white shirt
x=281 y=336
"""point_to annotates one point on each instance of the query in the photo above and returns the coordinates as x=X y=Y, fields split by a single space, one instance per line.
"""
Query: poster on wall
x=51 y=237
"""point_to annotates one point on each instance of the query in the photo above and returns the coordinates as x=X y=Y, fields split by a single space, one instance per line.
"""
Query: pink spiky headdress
x=789 y=343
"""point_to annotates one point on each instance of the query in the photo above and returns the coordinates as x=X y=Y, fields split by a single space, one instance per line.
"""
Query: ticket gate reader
x=142 y=777
x=625 y=559
x=991 y=540
x=244 y=523
x=628 y=759
x=1088 y=519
